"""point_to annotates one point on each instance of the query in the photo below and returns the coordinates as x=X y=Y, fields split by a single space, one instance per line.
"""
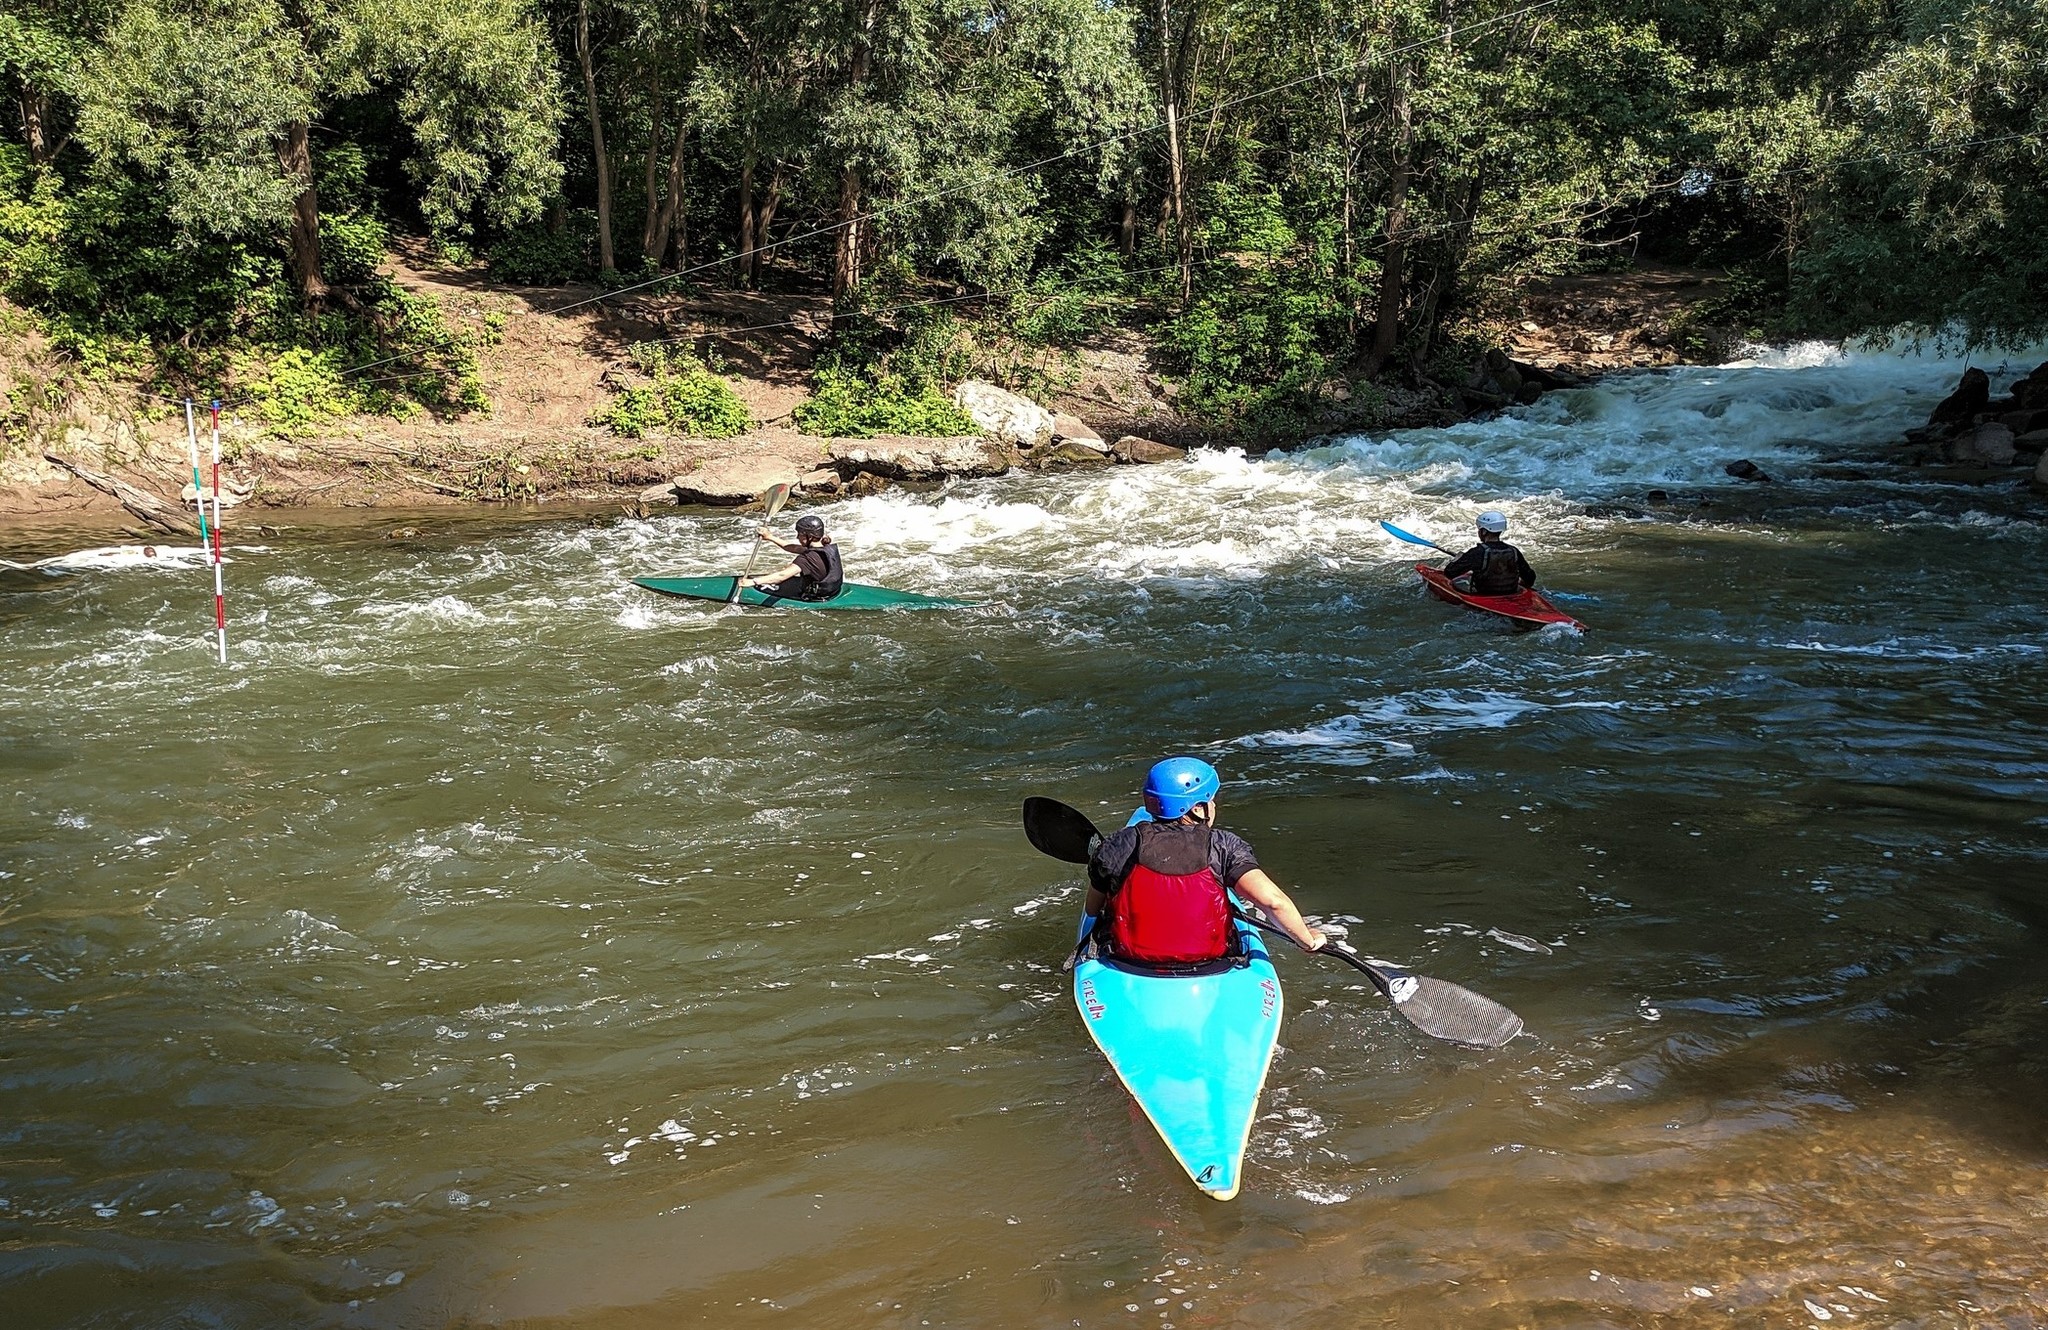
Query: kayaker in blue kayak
x=814 y=574
x=1493 y=567
x=1156 y=888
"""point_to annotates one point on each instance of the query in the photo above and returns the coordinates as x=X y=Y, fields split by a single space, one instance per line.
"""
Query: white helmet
x=1493 y=520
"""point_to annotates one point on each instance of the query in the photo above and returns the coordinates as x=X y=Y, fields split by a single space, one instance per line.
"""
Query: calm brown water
x=492 y=942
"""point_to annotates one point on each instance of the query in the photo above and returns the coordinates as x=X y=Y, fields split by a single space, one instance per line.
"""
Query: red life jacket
x=1170 y=908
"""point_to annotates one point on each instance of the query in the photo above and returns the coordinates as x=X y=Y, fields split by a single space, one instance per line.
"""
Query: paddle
x=1439 y=1009
x=771 y=500
x=1398 y=534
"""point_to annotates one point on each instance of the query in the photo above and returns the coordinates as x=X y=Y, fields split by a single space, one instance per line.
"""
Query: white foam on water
x=443 y=610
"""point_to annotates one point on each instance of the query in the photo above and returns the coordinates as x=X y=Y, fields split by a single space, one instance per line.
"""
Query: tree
x=1932 y=223
x=215 y=101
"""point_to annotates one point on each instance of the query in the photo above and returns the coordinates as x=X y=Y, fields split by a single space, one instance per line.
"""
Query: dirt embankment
x=561 y=353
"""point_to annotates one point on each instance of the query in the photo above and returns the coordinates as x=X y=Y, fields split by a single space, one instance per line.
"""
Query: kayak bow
x=1192 y=1048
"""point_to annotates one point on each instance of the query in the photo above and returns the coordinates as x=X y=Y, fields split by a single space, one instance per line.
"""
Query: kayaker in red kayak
x=1493 y=567
x=815 y=573
x=1162 y=882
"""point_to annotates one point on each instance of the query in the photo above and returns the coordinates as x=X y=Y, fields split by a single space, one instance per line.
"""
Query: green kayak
x=853 y=597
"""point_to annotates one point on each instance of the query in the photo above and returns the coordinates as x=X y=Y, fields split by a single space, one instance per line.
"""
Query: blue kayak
x=1192 y=1048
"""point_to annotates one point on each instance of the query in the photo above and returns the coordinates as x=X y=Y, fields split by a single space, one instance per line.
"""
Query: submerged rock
x=1982 y=445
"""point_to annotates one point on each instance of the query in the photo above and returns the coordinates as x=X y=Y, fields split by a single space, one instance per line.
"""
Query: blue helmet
x=1179 y=783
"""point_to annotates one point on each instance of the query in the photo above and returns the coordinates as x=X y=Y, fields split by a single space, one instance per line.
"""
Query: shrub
x=685 y=398
x=532 y=255
x=299 y=389
x=847 y=405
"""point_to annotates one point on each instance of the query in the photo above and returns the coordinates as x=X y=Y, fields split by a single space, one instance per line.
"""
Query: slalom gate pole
x=199 y=501
x=220 y=603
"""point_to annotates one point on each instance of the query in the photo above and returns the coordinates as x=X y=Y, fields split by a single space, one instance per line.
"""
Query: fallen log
x=160 y=513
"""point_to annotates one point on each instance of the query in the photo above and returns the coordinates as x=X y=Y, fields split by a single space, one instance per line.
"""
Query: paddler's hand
x=764 y=533
x=1316 y=940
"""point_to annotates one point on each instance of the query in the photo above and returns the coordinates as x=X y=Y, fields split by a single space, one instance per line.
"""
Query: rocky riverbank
x=102 y=448
x=1974 y=436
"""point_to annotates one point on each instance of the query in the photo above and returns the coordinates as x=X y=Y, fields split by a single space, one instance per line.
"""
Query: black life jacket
x=834 y=580
x=1500 y=570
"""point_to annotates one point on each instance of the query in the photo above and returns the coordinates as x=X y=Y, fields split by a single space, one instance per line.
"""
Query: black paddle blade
x=1062 y=832
x=1439 y=1009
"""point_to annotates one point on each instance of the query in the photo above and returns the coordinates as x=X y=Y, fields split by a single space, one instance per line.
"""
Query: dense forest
x=197 y=195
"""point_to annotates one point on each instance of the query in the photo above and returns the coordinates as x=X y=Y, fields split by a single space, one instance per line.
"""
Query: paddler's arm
x=1528 y=574
x=765 y=534
x=1265 y=893
x=1463 y=564
x=770 y=579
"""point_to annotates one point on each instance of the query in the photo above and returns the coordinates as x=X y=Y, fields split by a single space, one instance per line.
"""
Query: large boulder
x=1970 y=397
x=1072 y=429
x=1989 y=444
x=1019 y=421
x=1132 y=448
x=728 y=482
x=1069 y=452
x=2031 y=393
x=910 y=458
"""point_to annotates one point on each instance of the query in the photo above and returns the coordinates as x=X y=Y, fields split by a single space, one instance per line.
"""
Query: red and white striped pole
x=220 y=603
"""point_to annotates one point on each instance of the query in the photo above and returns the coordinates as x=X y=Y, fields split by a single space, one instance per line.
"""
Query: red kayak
x=1526 y=608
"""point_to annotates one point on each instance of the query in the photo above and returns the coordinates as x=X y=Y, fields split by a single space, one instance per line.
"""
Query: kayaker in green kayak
x=814 y=574
x=1157 y=888
x=1494 y=567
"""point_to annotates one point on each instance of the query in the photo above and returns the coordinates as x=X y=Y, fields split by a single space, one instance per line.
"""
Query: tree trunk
x=295 y=156
x=651 y=174
x=1386 y=332
x=1443 y=287
x=1176 y=172
x=35 y=126
x=668 y=223
x=743 y=265
x=846 y=250
x=1127 y=225
x=606 y=260
x=764 y=217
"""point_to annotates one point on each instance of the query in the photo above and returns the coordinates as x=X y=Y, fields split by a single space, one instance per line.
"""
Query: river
x=493 y=942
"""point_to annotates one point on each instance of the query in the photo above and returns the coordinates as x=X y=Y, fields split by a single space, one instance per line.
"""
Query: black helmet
x=810 y=525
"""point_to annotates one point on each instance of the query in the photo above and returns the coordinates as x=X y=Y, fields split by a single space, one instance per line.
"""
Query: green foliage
x=846 y=405
x=299 y=389
x=352 y=247
x=889 y=377
x=685 y=397
x=1264 y=325
x=194 y=98
x=532 y=255
x=1935 y=223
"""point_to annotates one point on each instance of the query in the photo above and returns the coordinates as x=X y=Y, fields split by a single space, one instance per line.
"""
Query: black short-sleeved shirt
x=819 y=567
x=1229 y=856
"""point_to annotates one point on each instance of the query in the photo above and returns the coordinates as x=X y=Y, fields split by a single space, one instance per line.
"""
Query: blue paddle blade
x=1398 y=534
